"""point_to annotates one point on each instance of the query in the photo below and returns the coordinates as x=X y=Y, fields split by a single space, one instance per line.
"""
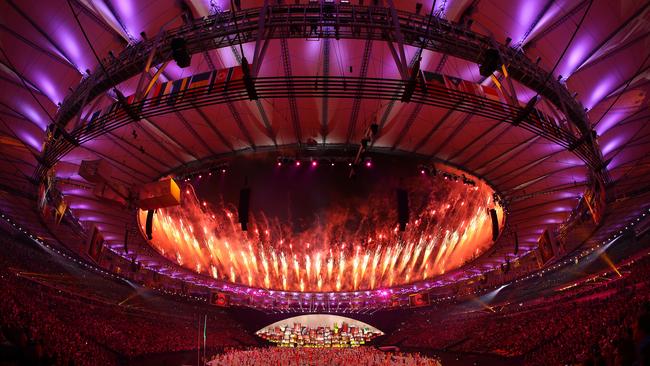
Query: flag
x=238 y=72
x=220 y=78
x=491 y=93
x=199 y=84
x=176 y=91
x=452 y=82
x=130 y=99
x=229 y=74
x=157 y=92
x=201 y=80
x=470 y=88
x=129 y=103
x=433 y=79
x=494 y=95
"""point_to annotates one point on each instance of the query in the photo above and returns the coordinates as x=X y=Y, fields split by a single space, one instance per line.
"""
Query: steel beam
x=356 y=104
x=293 y=105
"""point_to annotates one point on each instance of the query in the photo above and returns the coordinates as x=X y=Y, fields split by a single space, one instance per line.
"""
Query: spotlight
x=314 y=163
x=279 y=163
x=422 y=172
x=297 y=162
x=368 y=163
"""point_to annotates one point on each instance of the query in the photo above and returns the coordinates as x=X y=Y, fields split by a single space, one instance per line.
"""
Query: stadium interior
x=325 y=182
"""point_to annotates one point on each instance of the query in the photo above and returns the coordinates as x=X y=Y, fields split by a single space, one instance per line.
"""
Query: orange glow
x=609 y=262
x=450 y=227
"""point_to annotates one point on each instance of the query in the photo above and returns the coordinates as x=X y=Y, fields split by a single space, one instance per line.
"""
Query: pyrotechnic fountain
x=307 y=233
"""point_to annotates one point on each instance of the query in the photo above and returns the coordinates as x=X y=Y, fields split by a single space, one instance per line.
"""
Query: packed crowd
x=50 y=323
x=593 y=325
x=360 y=356
x=55 y=314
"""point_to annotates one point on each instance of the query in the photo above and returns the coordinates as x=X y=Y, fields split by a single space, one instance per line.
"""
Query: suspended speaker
x=244 y=201
x=402 y=208
x=149 y=227
x=495 y=224
x=180 y=54
x=490 y=63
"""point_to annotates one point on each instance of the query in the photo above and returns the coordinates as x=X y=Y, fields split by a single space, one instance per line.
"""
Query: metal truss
x=337 y=87
x=339 y=21
x=331 y=21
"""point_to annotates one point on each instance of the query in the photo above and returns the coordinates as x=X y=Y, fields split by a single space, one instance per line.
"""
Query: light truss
x=332 y=87
x=339 y=21
x=331 y=21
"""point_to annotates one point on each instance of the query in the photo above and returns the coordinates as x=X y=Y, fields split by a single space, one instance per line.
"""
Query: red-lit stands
x=53 y=313
x=573 y=327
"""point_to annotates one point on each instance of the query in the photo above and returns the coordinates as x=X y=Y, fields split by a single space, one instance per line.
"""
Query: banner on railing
x=190 y=88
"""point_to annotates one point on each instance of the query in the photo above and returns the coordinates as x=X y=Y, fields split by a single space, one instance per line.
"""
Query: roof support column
x=400 y=58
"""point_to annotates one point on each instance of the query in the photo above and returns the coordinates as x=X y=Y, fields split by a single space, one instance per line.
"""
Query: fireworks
x=345 y=250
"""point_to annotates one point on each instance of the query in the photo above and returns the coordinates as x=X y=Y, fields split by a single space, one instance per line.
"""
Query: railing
x=318 y=86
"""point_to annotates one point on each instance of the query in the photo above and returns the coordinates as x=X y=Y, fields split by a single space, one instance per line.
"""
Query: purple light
x=30 y=140
x=279 y=163
x=314 y=163
x=298 y=163
x=368 y=163
x=34 y=116
x=48 y=87
x=79 y=206
x=422 y=171
x=609 y=121
x=599 y=92
x=611 y=145
x=574 y=58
